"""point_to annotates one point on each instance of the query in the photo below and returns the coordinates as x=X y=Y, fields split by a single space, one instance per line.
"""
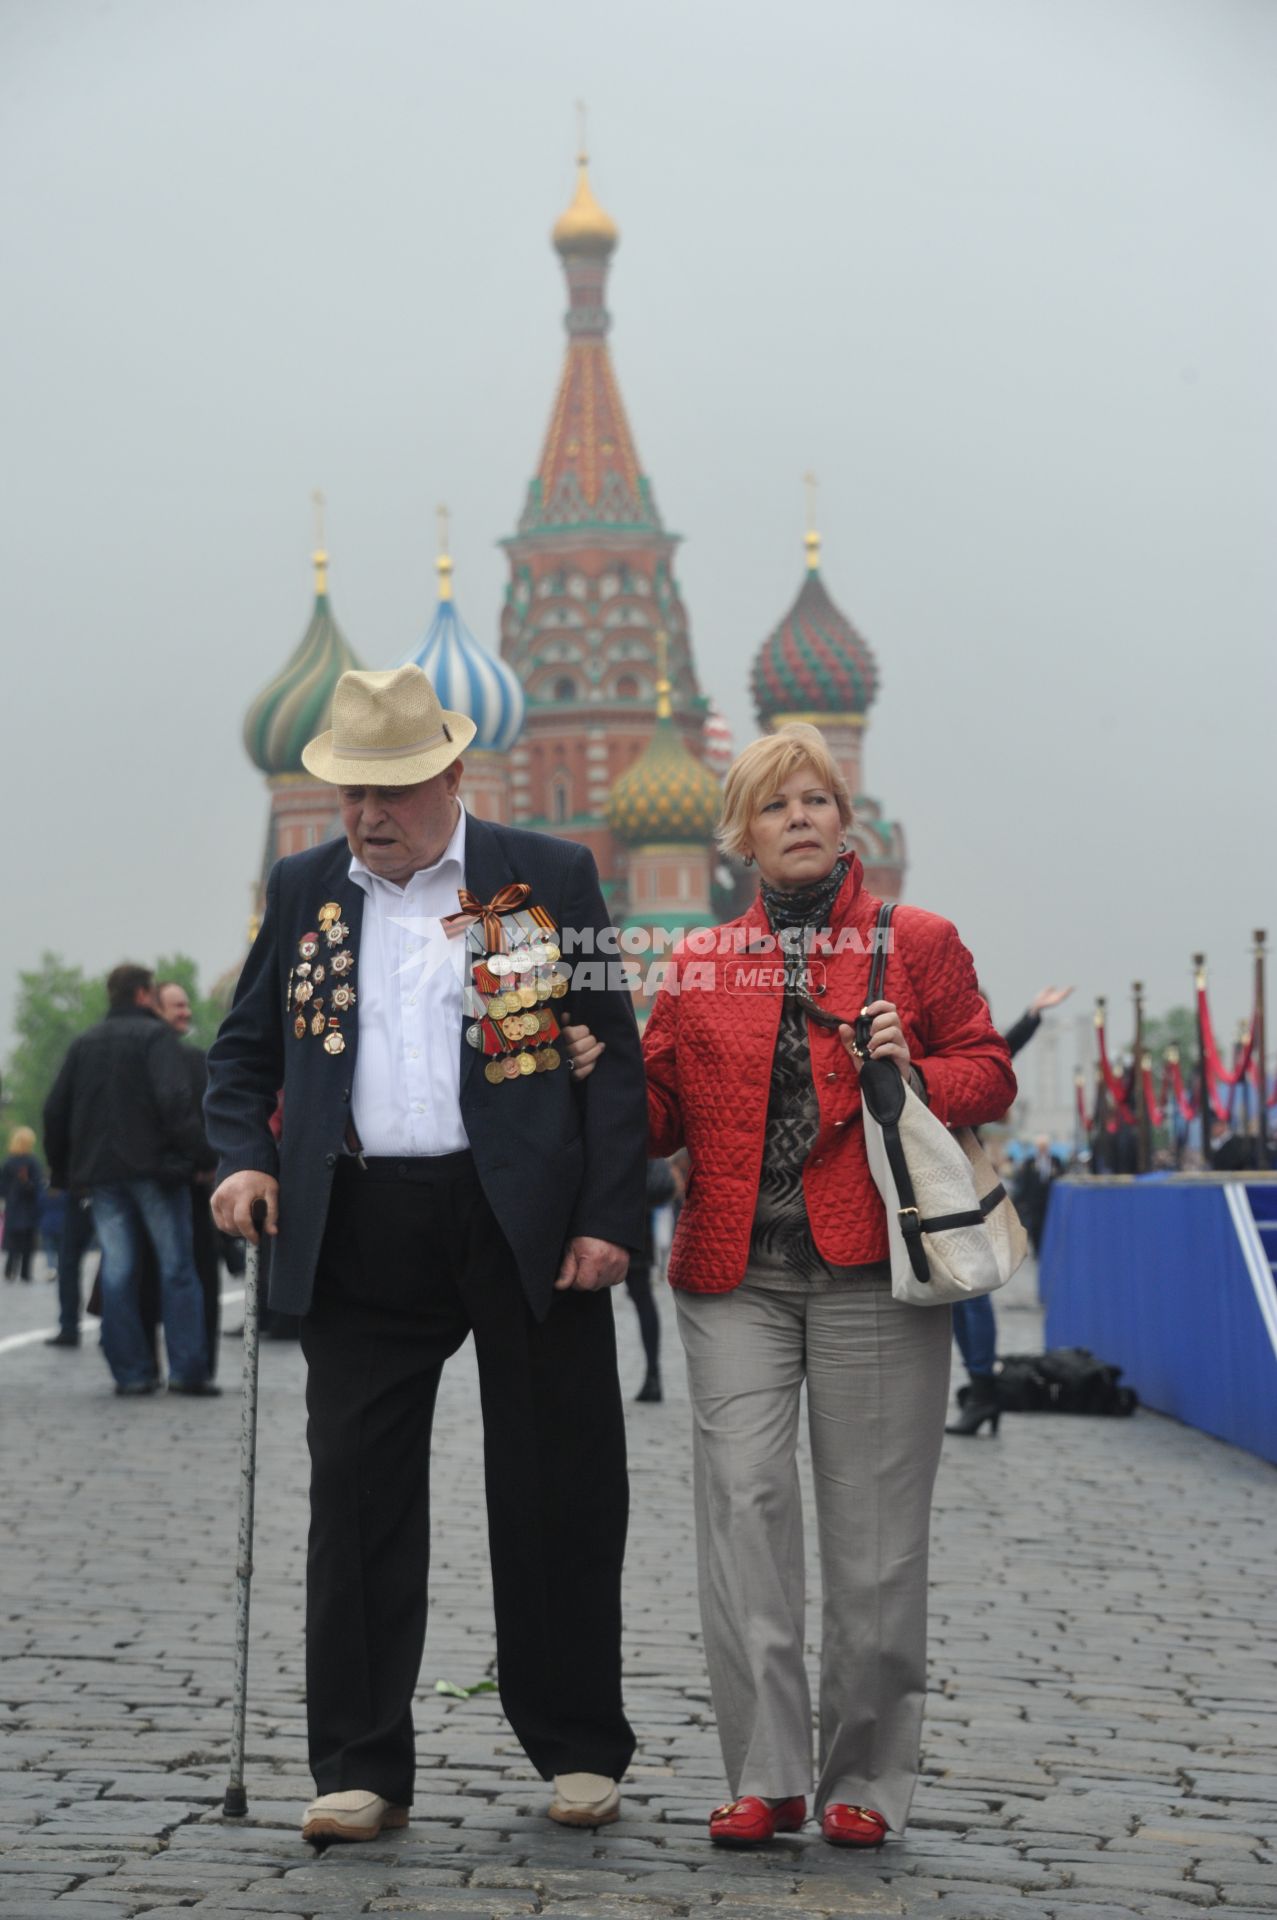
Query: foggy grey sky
x=1000 y=271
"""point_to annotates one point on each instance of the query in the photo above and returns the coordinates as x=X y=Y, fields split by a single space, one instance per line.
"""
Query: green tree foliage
x=55 y=1002
x=1176 y=1028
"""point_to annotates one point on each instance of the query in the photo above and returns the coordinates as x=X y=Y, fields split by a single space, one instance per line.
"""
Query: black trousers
x=412 y=1261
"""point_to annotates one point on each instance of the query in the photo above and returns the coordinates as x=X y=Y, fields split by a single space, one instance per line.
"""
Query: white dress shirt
x=406 y=1098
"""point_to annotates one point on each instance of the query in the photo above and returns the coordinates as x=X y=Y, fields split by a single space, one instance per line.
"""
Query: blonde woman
x=779 y=1266
x=21 y=1183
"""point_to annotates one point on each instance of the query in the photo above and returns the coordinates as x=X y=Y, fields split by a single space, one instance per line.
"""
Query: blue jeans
x=124 y=1211
x=976 y=1332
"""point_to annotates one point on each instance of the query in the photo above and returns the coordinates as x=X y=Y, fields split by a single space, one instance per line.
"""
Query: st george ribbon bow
x=506 y=899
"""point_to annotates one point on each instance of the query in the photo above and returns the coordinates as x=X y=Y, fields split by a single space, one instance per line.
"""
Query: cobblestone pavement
x=1099 y=1737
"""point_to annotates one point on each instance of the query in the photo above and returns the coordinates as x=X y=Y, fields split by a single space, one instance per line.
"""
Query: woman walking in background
x=780 y=1270
x=21 y=1183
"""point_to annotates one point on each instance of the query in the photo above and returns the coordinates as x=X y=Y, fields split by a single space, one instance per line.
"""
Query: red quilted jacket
x=708 y=1050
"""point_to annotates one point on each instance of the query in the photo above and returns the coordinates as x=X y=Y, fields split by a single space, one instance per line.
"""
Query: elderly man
x=440 y=1174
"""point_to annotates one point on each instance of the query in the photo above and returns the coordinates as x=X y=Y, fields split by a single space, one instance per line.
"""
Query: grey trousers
x=877 y=1376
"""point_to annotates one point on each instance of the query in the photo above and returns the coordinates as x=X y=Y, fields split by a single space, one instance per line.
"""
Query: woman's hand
x=583 y=1051
x=886 y=1037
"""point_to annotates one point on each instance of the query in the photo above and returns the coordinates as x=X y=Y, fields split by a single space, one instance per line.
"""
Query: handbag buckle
x=910 y=1220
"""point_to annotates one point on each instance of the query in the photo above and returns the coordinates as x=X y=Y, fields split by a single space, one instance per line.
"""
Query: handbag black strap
x=877 y=972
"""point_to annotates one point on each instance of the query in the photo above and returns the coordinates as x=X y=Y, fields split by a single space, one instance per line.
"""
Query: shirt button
x=418 y=1106
x=330 y=1159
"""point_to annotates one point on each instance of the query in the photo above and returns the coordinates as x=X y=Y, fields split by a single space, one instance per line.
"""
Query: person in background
x=75 y=1241
x=21 y=1184
x=174 y=1006
x=122 y=1125
x=975 y=1326
x=660 y=1192
x=1033 y=1189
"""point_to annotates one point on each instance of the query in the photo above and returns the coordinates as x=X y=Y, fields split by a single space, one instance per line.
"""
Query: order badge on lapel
x=309 y=976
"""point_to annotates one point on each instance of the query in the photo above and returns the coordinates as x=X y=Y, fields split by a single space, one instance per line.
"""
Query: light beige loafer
x=585 y=1800
x=354 y=1815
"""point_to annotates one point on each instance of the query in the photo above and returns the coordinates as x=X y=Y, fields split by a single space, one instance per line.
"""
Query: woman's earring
x=747 y=859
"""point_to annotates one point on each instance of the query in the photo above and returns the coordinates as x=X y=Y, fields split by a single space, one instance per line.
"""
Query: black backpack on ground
x=1065 y=1380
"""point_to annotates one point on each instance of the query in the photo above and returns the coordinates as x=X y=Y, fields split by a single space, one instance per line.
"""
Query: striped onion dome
x=466 y=677
x=720 y=748
x=814 y=662
x=667 y=795
x=297 y=703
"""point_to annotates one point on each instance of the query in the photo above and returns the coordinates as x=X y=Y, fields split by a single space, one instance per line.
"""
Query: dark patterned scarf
x=781 y=1241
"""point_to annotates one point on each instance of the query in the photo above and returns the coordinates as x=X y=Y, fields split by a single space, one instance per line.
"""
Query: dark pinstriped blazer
x=555 y=1159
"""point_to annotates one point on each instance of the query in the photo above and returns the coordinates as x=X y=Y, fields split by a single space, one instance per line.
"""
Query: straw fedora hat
x=388 y=730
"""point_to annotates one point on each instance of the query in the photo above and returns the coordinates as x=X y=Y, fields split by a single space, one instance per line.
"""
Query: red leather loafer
x=752 y=1823
x=845 y=1826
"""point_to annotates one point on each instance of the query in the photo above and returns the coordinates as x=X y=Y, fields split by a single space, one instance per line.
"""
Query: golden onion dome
x=585 y=228
x=668 y=795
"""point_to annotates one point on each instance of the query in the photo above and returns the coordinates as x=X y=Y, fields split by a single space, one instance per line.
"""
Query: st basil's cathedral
x=592 y=721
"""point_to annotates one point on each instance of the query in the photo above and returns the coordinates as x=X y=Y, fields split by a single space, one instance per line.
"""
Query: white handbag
x=952 y=1229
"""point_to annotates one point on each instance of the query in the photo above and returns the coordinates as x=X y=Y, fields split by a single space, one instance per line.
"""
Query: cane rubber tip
x=235 y=1805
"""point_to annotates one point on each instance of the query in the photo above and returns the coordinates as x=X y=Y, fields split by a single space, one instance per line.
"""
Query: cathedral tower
x=591 y=583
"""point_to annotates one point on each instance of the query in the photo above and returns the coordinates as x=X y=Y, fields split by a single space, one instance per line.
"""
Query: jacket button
x=831 y=1076
x=330 y=1159
x=819 y=1161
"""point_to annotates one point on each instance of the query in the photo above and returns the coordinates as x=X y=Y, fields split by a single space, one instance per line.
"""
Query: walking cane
x=235 y=1805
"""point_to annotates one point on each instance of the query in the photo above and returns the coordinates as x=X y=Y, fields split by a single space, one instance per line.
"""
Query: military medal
x=329 y=912
x=335 y=934
x=302 y=969
x=551 y=1058
x=334 y=1042
x=474 y=1034
x=317 y=975
x=343 y=997
x=299 y=1025
x=342 y=962
x=527 y=1064
x=308 y=946
x=317 y=1024
x=510 y=1067
x=302 y=992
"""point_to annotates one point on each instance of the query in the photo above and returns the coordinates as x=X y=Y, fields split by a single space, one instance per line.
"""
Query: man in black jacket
x=122 y=1125
x=439 y=1174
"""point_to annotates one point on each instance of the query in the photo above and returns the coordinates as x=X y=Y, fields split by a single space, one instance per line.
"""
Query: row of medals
x=311 y=973
x=507 y=1008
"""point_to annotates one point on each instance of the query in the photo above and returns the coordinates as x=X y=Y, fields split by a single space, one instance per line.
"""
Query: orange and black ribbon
x=506 y=899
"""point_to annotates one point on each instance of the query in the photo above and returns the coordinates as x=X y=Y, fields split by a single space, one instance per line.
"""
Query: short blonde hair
x=757 y=774
x=22 y=1140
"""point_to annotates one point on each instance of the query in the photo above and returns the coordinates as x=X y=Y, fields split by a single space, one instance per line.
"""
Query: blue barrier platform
x=1171 y=1277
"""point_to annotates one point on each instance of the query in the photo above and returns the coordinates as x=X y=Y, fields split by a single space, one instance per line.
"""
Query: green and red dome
x=814 y=662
